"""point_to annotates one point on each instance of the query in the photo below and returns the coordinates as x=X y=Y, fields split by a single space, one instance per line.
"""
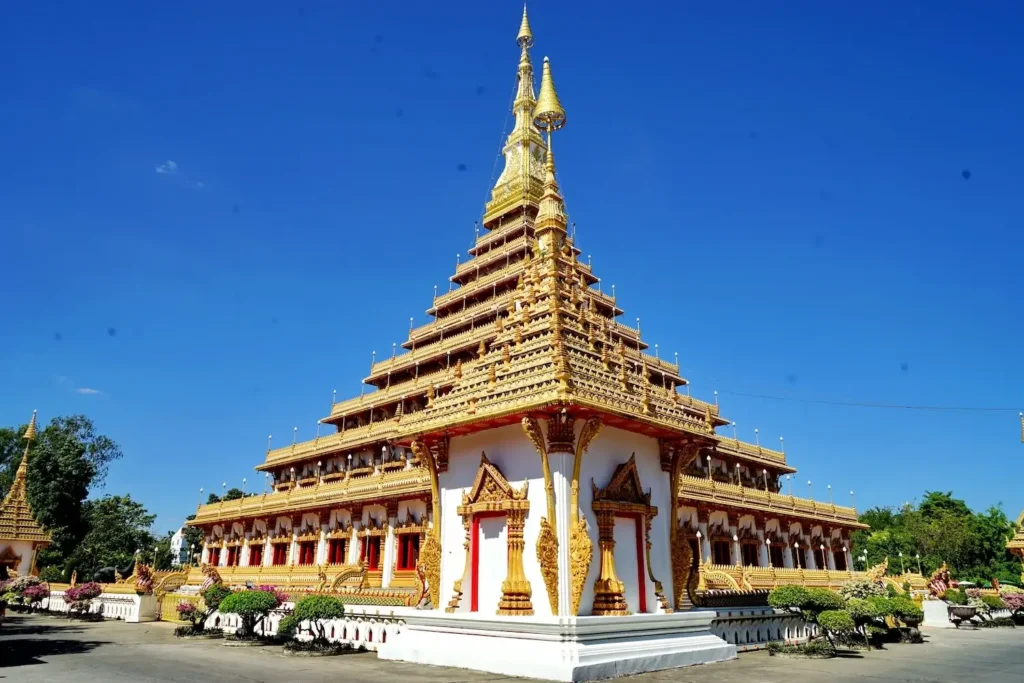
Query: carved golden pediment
x=624 y=487
x=491 y=491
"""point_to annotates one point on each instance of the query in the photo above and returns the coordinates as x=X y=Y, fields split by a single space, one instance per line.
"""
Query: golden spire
x=525 y=37
x=548 y=113
x=30 y=433
x=549 y=116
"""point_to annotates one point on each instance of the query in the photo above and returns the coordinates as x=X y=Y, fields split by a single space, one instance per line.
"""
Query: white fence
x=123 y=606
x=752 y=628
x=361 y=627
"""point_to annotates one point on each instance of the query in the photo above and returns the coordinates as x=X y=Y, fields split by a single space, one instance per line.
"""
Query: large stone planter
x=961 y=613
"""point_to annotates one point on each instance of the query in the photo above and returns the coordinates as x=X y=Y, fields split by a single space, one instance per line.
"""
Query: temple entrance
x=493 y=514
x=629 y=560
x=489 y=551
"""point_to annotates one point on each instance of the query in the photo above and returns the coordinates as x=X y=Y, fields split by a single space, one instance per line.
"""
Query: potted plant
x=959 y=610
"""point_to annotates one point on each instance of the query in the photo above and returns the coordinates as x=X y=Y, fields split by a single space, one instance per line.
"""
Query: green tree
x=67 y=459
x=940 y=529
x=118 y=526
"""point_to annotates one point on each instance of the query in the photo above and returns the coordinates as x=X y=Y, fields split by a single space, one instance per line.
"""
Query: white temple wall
x=511 y=451
x=611 y=448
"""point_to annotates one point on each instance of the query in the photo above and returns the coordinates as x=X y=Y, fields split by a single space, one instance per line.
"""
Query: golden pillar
x=609 y=591
x=515 y=589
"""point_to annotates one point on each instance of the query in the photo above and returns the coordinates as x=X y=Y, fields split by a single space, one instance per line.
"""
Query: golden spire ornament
x=525 y=37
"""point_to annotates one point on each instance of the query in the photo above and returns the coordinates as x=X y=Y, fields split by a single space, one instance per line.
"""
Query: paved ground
x=40 y=648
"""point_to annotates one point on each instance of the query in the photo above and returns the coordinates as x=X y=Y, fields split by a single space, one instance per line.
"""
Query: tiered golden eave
x=524 y=332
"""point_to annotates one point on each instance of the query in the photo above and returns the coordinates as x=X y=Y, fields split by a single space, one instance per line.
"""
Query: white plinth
x=936 y=614
x=575 y=649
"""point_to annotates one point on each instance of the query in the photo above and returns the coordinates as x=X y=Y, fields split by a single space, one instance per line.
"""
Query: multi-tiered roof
x=525 y=328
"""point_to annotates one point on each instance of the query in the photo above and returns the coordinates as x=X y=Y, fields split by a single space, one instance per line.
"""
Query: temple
x=526 y=473
x=21 y=536
x=1016 y=544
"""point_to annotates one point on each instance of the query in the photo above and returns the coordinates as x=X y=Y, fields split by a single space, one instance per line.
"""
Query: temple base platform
x=936 y=614
x=574 y=649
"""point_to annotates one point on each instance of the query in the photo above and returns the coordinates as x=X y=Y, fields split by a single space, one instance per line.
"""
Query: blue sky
x=212 y=214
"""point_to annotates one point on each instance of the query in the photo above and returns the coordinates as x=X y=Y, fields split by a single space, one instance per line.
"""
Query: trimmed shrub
x=822 y=600
x=836 y=622
x=52 y=574
x=993 y=602
x=817 y=649
x=955 y=596
x=213 y=595
x=250 y=606
x=788 y=597
x=314 y=609
x=905 y=609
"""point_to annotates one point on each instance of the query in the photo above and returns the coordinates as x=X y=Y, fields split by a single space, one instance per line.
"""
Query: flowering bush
x=190 y=612
x=79 y=598
x=1007 y=589
x=1014 y=602
x=35 y=594
x=279 y=595
x=862 y=588
x=19 y=584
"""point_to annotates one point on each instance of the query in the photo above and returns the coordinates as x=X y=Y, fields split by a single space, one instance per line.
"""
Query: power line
x=875 y=404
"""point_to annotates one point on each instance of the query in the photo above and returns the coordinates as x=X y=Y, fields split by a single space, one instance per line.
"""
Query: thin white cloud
x=86 y=391
x=168 y=167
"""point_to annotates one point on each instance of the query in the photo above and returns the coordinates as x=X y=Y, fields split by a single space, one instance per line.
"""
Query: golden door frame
x=491 y=494
x=623 y=497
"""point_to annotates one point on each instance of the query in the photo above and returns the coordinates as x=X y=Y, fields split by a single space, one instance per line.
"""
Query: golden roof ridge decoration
x=17 y=520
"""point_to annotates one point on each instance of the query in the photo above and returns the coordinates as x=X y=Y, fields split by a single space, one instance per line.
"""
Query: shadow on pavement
x=30 y=650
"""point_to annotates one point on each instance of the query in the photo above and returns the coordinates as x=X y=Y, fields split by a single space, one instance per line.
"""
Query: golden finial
x=30 y=433
x=525 y=37
x=548 y=113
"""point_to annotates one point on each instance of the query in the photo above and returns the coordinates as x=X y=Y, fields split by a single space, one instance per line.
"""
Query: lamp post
x=700 y=548
x=736 y=547
x=200 y=497
x=266 y=481
x=765 y=473
x=902 y=568
x=919 y=570
x=864 y=559
x=709 y=466
x=768 y=546
x=846 y=557
x=824 y=564
x=156 y=553
x=243 y=487
x=191 y=553
x=796 y=554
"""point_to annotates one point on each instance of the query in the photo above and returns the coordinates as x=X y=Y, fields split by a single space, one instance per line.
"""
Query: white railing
x=361 y=627
x=124 y=606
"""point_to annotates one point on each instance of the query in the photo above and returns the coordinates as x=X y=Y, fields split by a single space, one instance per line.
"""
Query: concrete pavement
x=43 y=648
